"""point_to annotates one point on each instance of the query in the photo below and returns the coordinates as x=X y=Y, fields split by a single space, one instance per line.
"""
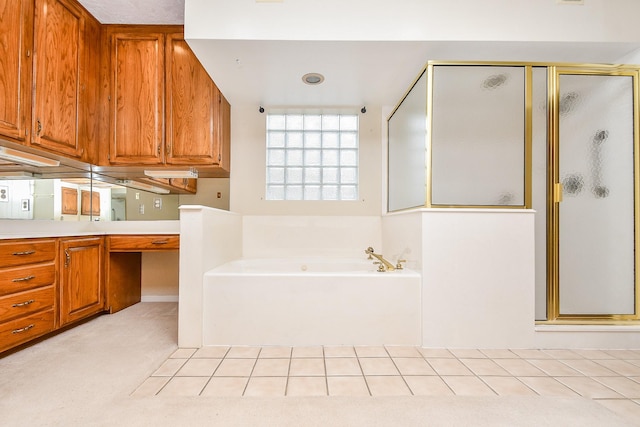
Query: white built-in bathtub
x=311 y=301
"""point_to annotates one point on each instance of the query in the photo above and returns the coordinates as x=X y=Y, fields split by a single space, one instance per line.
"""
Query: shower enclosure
x=561 y=139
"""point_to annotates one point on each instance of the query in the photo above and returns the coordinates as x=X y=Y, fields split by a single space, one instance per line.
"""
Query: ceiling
x=136 y=12
x=269 y=72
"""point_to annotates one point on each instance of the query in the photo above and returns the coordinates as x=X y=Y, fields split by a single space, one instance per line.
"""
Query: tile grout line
x=362 y=372
x=224 y=356
x=286 y=384
x=326 y=379
x=438 y=373
x=251 y=373
x=400 y=373
x=172 y=376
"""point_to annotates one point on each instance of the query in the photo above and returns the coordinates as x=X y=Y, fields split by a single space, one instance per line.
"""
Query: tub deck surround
x=310 y=301
x=476 y=270
x=19 y=229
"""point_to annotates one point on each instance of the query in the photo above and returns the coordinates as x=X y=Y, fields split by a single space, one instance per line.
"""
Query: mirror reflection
x=82 y=199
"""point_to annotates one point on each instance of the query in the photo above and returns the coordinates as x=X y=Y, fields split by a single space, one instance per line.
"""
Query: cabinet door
x=16 y=44
x=59 y=27
x=137 y=96
x=192 y=108
x=81 y=278
x=224 y=134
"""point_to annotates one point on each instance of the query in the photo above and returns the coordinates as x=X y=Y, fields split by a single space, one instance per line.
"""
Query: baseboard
x=159 y=298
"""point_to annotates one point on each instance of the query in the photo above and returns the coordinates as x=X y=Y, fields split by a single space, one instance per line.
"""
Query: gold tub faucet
x=383 y=264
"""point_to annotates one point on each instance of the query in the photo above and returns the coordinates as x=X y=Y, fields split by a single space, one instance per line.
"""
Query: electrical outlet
x=141 y=209
x=157 y=203
x=25 y=204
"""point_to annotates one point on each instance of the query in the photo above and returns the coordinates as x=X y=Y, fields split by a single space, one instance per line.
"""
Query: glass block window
x=312 y=157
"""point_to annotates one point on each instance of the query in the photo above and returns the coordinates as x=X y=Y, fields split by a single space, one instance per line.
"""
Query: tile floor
x=612 y=377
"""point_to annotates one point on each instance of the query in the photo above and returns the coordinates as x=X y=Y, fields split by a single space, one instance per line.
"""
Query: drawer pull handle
x=22 y=304
x=25 y=329
x=160 y=242
x=24 y=253
x=24 y=279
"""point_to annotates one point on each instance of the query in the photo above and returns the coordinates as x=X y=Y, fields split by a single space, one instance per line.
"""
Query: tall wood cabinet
x=81 y=278
x=193 y=108
x=136 y=97
x=50 y=68
x=16 y=49
x=164 y=107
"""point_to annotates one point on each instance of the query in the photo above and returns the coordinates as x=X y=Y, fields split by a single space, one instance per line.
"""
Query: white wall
x=269 y=236
x=13 y=193
x=248 y=159
x=208 y=237
x=495 y=20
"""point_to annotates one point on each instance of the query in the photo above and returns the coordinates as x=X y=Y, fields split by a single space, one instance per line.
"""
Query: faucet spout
x=384 y=264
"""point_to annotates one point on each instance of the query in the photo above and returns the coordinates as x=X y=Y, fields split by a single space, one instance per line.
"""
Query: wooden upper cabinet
x=59 y=30
x=137 y=96
x=16 y=47
x=192 y=108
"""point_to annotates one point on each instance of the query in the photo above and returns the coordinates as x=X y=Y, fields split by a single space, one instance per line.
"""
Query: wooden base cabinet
x=27 y=290
x=81 y=278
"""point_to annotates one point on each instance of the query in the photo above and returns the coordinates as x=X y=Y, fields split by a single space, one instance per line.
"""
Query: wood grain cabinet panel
x=24 y=329
x=135 y=243
x=192 y=108
x=137 y=97
x=24 y=277
x=26 y=251
x=81 y=278
x=59 y=32
x=24 y=303
x=27 y=290
x=16 y=48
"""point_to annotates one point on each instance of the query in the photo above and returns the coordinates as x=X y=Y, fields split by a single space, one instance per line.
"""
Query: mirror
x=69 y=190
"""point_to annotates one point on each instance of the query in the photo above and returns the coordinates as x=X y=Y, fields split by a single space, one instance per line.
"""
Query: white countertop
x=18 y=229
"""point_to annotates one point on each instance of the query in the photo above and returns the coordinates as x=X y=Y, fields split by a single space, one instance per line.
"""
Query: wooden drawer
x=24 y=303
x=26 y=252
x=18 y=331
x=134 y=243
x=20 y=279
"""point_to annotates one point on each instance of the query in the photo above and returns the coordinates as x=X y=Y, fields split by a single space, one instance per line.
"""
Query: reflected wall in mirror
x=61 y=200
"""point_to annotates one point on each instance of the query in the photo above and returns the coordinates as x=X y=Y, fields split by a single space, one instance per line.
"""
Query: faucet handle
x=381 y=267
x=369 y=251
x=399 y=265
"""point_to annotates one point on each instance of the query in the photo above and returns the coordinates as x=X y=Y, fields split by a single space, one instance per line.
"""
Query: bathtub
x=310 y=301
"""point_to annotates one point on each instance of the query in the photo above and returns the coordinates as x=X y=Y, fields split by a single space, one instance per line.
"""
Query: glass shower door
x=594 y=205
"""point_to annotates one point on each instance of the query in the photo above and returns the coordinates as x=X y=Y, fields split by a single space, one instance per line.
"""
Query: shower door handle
x=557 y=192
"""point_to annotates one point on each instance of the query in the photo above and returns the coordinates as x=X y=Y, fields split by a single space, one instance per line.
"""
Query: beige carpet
x=85 y=376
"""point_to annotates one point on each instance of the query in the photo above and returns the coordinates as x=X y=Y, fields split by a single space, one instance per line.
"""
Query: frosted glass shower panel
x=596 y=215
x=407 y=145
x=478 y=136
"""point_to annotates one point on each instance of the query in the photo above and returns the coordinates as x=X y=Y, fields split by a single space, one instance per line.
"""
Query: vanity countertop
x=19 y=229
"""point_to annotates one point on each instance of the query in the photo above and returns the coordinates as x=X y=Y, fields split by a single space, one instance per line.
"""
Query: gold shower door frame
x=554 y=197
